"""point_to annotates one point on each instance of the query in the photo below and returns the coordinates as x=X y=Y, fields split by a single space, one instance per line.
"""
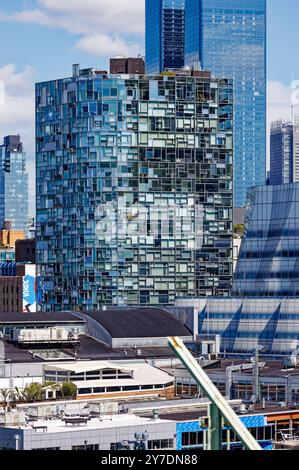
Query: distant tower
x=165 y=35
x=13 y=184
x=284 y=152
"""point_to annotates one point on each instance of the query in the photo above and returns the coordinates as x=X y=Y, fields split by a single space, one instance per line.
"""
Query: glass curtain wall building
x=243 y=324
x=284 y=152
x=13 y=184
x=228 y=37
x=281 y=152
x=269 y=258
x=165 y=35
x=134 y=189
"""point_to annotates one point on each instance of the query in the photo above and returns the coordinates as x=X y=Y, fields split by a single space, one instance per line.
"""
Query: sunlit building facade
x=134 y=189
x=269 y=258
x=284 y=152
x=245 y=323
x=228 y=37
x=281 y=152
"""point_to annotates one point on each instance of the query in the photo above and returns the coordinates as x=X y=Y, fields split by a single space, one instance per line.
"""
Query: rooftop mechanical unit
x=47 y=335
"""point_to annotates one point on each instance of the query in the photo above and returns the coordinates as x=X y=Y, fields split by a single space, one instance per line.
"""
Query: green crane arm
x=218 y=401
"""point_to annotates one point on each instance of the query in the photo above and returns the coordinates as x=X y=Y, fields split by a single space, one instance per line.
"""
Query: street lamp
x=256 y=398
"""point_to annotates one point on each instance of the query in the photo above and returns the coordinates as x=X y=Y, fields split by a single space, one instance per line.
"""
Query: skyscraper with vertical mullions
x=165 y=35
x=281 y=152
x=228 y=37
x=13 y=184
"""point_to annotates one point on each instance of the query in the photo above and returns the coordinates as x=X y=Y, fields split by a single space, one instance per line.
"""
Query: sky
x=41 y=39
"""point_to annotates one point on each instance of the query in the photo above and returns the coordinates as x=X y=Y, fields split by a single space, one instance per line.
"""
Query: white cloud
x=17 y=83
x=102 y=46
x=279 y=101
x=120 y=15
x=91 y=20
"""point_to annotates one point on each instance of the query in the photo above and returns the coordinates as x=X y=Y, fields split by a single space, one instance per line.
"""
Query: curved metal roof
x=139 y=323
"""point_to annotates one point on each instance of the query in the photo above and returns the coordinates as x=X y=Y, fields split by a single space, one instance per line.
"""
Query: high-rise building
x=13 y=184
x=281 y=153
x=134 y=189
x=165 y=35
x=284 y=152
x=269 y=258
x=228 y=37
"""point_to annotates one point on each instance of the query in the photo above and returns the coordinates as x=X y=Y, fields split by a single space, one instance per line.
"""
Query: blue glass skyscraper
x=228 y=37
x=281 y=152
x=13 y=184
x=165 y=35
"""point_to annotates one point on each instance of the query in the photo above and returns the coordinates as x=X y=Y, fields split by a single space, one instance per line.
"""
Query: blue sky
x=51 y=50
x=283 y=39
x=41 y=39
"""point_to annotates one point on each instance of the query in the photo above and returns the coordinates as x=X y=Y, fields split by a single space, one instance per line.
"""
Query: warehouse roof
x=39 y=317
x=15 y=355
x=88 y=349
x=139 y=323
x=91 y=348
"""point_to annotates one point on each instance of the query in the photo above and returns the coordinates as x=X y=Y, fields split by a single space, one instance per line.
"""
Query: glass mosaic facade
x=165 y=35
x=228 y=37
x=134 y=189
x=269 y=258
x=13 y=184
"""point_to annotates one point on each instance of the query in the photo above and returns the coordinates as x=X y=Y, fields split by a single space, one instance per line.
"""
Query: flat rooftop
x=187 y=415
x=16 y=355
x=272 y=368
x=143 y=374
x=108 y=422
x=89 y=349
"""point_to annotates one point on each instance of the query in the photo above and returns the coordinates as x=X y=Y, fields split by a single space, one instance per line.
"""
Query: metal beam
x=214 y=395
x=215 y=428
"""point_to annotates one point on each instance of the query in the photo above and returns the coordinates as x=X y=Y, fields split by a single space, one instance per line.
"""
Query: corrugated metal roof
x=139 y=323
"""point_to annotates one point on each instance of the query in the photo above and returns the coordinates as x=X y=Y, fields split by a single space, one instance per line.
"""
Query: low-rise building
x=112 y=379
x=84 y=434
x=33 y=340
x=166 y=425
x=22 y=296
